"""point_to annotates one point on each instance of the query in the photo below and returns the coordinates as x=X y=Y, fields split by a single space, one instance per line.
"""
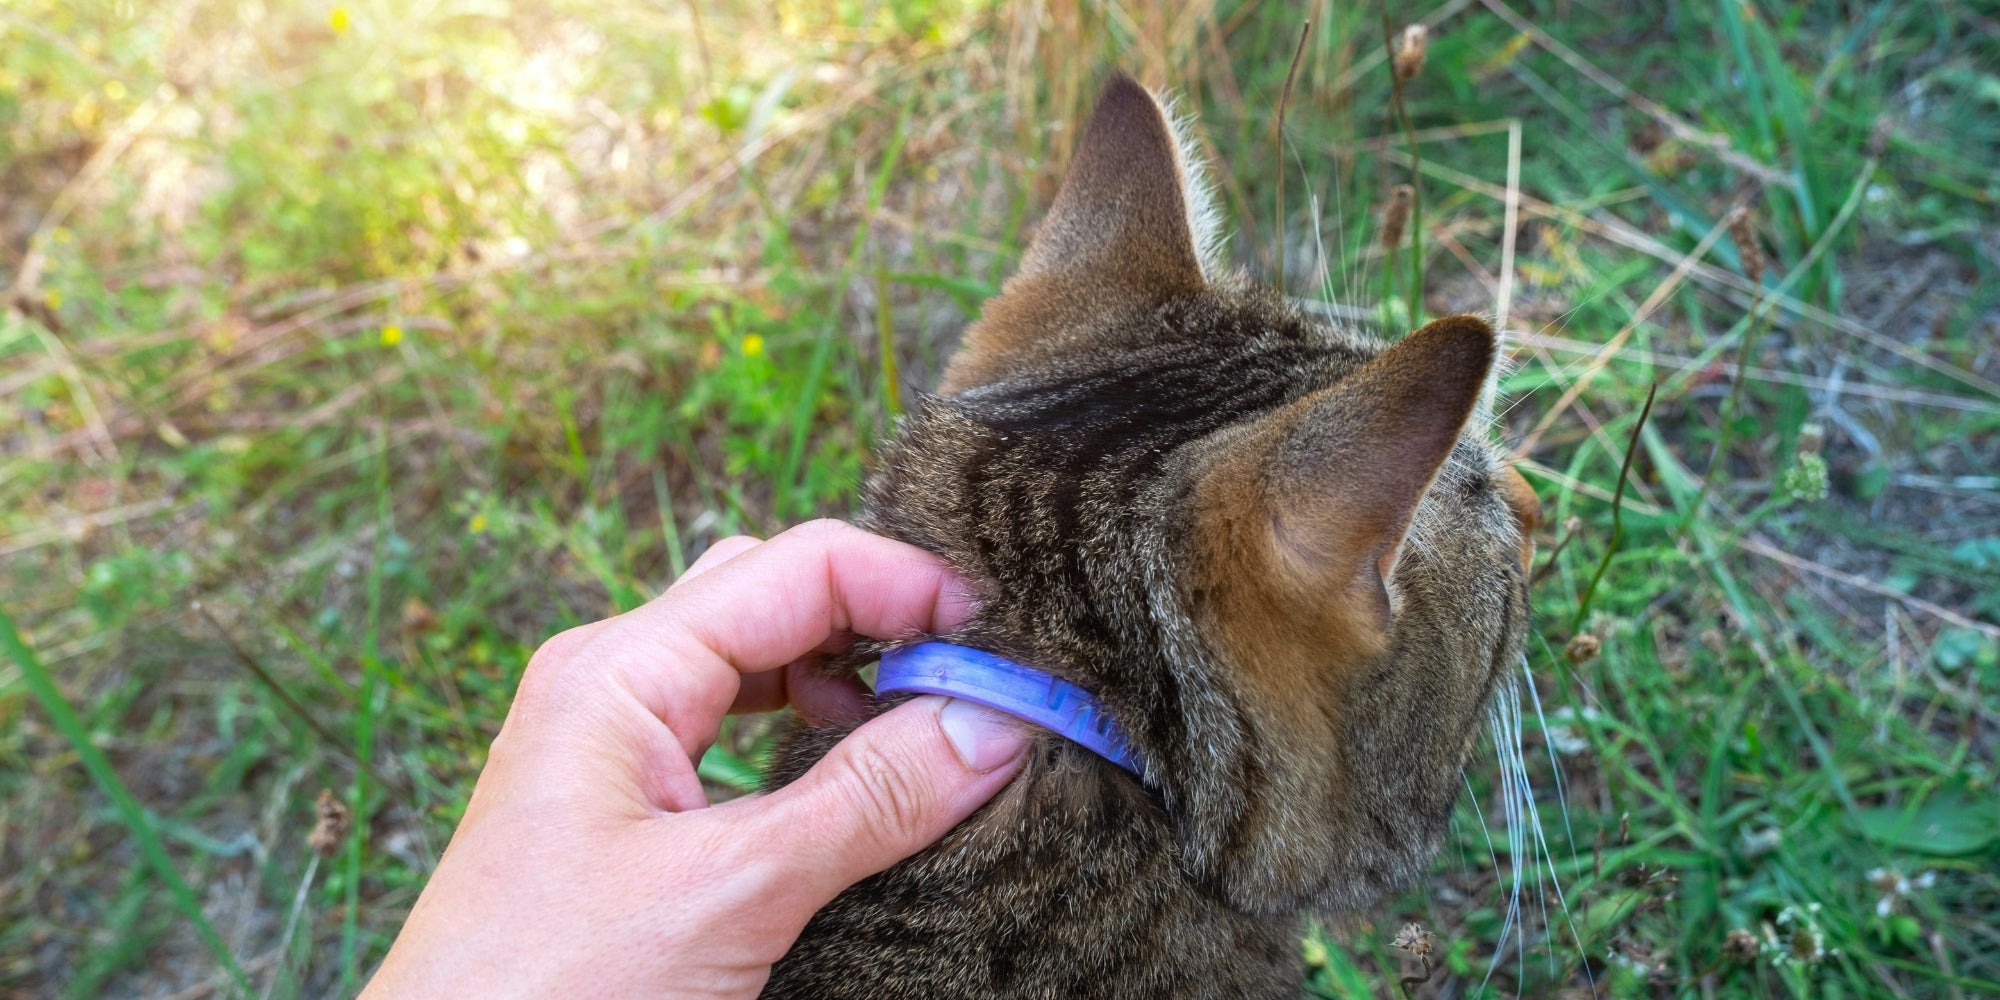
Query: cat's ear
x=1120 y=235
x=1323 y=493
x=1121 y=220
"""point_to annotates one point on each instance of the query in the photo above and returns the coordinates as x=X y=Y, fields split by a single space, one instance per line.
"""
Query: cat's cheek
x=1526 y=507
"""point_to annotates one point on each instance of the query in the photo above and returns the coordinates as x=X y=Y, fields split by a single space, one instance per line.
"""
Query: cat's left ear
x=1303 y=519
x=1121 y=236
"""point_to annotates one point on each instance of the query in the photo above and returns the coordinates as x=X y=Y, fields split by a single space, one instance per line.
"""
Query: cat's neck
x=1069 y=883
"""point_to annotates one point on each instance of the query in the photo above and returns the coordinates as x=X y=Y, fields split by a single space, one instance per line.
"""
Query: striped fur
x=1178 y=500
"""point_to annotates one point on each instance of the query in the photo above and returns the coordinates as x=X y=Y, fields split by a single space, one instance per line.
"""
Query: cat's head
x=1287 y=557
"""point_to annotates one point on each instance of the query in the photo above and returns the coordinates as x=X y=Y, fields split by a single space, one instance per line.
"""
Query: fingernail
x=984 y=739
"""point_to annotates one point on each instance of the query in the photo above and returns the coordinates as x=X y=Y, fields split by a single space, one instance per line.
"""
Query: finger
x=683 y=655
x=824 y=699
x=800 y=685
x=566 y=646
x=765 y=692
x=789 y=595
x=890 y=789
x=717 y=554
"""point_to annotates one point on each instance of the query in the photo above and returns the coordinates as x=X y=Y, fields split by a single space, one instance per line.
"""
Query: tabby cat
x=1283 y=556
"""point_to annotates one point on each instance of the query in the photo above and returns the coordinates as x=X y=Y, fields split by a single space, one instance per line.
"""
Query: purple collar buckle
x=1005 y=686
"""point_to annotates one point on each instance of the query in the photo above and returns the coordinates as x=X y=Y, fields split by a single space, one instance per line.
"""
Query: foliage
x=398 y=338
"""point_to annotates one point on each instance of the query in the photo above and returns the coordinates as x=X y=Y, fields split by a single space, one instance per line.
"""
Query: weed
x=349 y=352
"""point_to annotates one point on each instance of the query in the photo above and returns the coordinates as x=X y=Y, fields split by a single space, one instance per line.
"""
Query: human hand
x=589 y=862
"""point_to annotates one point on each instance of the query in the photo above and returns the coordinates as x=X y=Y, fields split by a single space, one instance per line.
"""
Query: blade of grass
x=1401 y=115
x=885 y=345
x=795 y=501
x=1808 y=182
x=1675 y=124
x=1504 y=298
x=1617 y=512
x=729 y=769
x=1653 y=302
x=129 y=940
x=1689 y=218
x=1625 y=235
x=136 y=818
x=364 y=725
x=284 y=696
x=670 y=529
x=1278 y=158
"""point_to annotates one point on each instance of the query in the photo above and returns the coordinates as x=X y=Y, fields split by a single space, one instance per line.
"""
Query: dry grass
x=396 y=341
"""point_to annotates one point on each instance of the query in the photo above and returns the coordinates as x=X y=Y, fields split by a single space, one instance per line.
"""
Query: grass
x=397 y=341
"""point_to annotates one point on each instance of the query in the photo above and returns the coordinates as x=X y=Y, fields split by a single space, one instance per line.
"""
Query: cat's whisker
x=1497 y=716
x=1323 y=275
x=1492 y=855
x=1522 y=807
x=1559 y=372
x=1527 y=823
x=1555 y=767
x=1508 y=727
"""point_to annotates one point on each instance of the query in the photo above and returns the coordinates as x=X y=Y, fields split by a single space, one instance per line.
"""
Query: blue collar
x=1016 y=689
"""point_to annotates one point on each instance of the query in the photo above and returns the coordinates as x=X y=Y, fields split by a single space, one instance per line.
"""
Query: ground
x=348 y=351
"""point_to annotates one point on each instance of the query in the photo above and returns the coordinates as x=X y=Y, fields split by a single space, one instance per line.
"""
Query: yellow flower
x=114 y=90
x=52 y=299
x=753 y=346
x=477 y=525
x=392 y=335
x=337 y=20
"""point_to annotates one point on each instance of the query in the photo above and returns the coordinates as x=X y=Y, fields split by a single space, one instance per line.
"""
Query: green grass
x=400 y=341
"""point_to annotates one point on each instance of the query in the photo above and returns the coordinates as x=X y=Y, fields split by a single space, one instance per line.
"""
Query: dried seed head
x=1396 y=217
x=1650 y=136
x=1878 y=137
x=1740 y=946
x=1888 y=880
x=1807 y=944
x=1812 y=437
x=1744 y=233
x=1410 y=51
x=1414 y=940
x=418 y=616
x=1582 y=648
x=1894 y=886
x=334 y=823
x=1642 y=876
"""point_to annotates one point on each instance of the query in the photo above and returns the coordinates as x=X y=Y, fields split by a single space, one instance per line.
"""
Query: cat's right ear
x=1321 y=494
x=1119 y=237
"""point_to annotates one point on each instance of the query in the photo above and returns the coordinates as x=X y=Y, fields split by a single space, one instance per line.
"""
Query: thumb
x=891 y=788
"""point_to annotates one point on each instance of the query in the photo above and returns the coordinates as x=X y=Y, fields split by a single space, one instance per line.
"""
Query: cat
x=1283 y=556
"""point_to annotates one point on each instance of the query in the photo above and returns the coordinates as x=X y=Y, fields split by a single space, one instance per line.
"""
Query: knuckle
x=559 y=649
x=539 y=678
x=563 y=645
x=890 y=802
x=824 y=528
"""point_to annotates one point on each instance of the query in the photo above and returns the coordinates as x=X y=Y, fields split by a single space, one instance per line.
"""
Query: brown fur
x=1275 y=551
x=1115 y=241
